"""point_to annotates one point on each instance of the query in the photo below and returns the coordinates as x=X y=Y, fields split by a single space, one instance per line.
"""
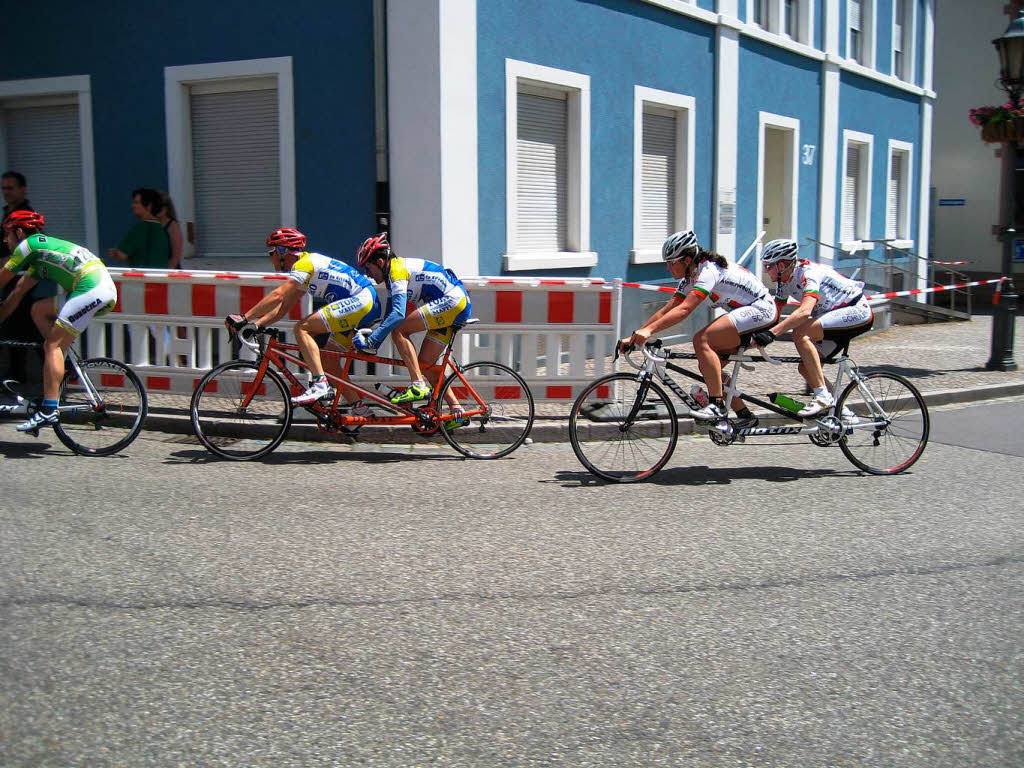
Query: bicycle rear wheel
x=623 y=429
x=105 y=414
x=235 y=431
x=892 y=424
x=508 y=410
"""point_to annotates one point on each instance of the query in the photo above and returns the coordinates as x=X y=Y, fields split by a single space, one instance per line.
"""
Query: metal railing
x=887 y=275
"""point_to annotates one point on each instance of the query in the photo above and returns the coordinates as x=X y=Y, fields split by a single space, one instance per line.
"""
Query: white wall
x=966 y=69
x=432 y=131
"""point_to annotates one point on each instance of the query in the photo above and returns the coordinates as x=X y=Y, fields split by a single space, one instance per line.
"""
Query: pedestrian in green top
x=147 y=243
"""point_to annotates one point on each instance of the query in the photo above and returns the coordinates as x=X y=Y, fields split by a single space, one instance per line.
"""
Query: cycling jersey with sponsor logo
x=832 y=289
x=71 y=266
x=421 y=282
x=327 y=279
x=732 y=286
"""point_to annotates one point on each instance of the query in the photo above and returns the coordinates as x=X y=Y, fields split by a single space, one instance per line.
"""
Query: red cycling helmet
x=27 y=220
x=288 y=237
x=371 y=247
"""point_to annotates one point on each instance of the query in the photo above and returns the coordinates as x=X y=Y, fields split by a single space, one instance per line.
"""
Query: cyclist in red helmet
x=442 y=302
x=90 y=293
x=343 y=300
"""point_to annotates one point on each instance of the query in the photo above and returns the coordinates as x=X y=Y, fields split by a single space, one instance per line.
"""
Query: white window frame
x=868 y=19
x=78 y=89
x=177 y=105
x=776 y=15
x=768 y=120
x=576 y=86
x=862 y=225
x=904 y=206
x=908 y=42
x=685 y=108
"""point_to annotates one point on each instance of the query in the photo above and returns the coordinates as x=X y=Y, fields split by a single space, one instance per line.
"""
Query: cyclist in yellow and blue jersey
x=347 y=300
x=442 y=302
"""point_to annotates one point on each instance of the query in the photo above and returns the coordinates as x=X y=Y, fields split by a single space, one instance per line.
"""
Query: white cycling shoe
x=316 y=391
x=817 y=406
x=709 y=412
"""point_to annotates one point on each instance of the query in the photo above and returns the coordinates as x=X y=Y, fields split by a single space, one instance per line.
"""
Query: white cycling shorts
x=846 y=317
x=754 y=317
x=82 y=307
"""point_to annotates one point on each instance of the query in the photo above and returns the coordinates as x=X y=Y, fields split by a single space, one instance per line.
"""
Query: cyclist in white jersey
x=344 y=299
x=704 y=274
x=832 y=311
x=442 y=303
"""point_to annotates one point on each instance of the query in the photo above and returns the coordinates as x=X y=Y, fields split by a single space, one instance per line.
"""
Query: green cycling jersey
x=71 y=266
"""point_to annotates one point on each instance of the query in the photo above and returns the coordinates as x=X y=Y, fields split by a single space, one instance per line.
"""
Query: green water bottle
x=785 y=402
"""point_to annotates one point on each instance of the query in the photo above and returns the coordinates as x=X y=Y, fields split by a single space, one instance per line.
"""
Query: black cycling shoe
x=748 y=423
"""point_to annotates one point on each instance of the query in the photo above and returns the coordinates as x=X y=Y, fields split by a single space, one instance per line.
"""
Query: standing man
x=32 y=318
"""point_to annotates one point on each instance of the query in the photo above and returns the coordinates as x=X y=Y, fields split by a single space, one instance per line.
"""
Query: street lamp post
x=1011 y=77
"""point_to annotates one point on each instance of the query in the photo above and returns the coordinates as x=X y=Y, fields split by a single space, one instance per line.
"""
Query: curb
x=545 y=430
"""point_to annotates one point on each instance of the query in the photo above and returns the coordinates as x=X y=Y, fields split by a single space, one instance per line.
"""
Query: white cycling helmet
x=779 y=250
x=679 y=244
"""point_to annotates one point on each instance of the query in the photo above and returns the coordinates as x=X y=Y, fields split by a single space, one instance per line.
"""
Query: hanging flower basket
x=999 y=124
x=1011 y=130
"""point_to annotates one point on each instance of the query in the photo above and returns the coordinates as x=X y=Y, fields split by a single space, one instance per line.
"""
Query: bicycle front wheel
x=891 y=426
x=504 y=410
x=104 y=412
x=623 y=429
x=233 y=425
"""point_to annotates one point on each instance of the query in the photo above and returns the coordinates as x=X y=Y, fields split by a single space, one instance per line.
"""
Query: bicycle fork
x=20 y=405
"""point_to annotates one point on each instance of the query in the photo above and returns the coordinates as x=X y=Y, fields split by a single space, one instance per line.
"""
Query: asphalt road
x=763 y=604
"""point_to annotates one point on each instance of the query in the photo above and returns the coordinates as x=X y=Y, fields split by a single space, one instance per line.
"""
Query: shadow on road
x=708 y=476
x=919 y=373
x=285 y=458
x=30 y=450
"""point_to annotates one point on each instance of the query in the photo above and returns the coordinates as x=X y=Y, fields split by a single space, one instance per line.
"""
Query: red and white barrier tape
x=951 y=263
x=875 y=297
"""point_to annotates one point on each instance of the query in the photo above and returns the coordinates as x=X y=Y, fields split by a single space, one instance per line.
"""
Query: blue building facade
x=532 y=137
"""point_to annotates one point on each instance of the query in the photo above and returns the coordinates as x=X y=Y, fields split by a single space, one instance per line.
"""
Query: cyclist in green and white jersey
x=90 y=293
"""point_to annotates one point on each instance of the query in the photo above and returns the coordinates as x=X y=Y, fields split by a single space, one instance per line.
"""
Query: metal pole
x=1004 y=313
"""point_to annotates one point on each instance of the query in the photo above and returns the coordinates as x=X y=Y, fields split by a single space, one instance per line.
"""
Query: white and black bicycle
x=624 y=427
x=102 y=404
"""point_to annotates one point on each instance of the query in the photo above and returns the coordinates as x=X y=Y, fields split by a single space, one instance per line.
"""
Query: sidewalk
x=945 y=360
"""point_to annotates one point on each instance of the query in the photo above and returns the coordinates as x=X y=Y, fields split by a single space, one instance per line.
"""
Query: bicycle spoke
x=893 y=427
x=609 y=448
x=236 y=418
x=507 y=416
x=104 y=413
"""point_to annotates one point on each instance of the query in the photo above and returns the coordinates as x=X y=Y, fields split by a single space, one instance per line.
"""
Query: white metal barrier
x=169 y=326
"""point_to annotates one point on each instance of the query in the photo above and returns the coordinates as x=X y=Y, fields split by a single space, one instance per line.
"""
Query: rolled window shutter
x=44 y=144
x=892 y=198
x=542 y=173
x=851 y=193
x=853 y=14
x=658 y=179
x=236 y=170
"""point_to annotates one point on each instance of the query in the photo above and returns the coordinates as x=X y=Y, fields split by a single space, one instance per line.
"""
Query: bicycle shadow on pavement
x=34 y=450
x=919 y=373
x=323 y=456
x=703 y=475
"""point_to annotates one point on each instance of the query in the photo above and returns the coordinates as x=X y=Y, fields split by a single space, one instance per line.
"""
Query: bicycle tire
x=510 y=411
x=905 y=434
x=106 y=427
x=221 y=425
x=597 y=435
